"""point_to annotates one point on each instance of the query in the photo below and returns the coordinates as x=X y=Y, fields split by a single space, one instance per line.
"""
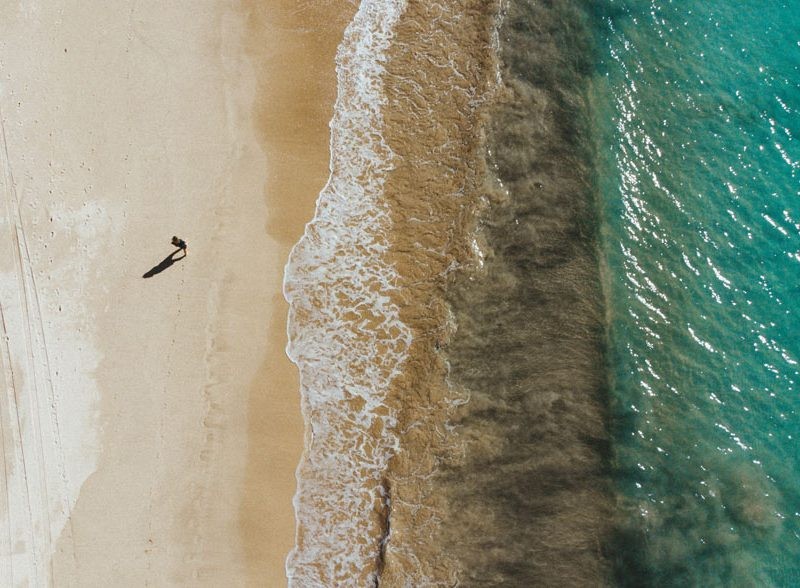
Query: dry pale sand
x=151 y=427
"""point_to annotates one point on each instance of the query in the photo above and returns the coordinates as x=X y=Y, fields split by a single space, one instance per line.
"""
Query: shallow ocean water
x=696 y=111
x=480 y=409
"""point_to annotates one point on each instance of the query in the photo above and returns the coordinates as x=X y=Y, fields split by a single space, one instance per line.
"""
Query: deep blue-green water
x=697 y=107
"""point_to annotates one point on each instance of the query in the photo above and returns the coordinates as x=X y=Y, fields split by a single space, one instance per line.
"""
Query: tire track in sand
x=10 y=441
x=40 y=375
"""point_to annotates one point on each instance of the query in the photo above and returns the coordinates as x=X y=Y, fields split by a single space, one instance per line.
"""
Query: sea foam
x=345 y=334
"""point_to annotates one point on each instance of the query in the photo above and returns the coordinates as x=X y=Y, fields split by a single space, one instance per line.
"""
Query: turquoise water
x=697 y=105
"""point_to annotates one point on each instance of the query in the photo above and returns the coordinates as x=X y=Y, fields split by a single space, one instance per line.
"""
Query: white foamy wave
x=345 y=334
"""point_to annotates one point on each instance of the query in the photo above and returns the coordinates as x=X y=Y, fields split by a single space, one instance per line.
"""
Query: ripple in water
x=696 y=107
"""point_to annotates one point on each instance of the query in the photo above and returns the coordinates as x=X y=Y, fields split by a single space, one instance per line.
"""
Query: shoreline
x=366 y=286
x=465 y=255
x=344 y=334
x=292 y=112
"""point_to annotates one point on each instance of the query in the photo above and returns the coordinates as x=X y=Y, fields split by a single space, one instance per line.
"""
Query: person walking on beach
x=170 y=259
x=180 y=244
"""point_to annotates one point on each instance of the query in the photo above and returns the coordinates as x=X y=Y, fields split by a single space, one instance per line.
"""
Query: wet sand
x=296 y=83
x=159 y=423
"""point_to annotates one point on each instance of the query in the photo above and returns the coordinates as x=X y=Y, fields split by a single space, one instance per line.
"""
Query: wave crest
x=345 y=334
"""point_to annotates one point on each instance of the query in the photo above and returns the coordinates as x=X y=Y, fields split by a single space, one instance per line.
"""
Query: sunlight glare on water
x=696 y=104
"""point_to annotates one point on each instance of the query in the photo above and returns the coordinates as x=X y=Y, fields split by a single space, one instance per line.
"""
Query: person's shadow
x=165 y=263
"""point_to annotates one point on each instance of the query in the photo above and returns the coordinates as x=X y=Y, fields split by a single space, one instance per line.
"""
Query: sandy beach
x=151 y=427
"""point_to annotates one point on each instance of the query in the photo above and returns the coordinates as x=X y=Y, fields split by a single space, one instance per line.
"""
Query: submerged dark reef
x=530 y=500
